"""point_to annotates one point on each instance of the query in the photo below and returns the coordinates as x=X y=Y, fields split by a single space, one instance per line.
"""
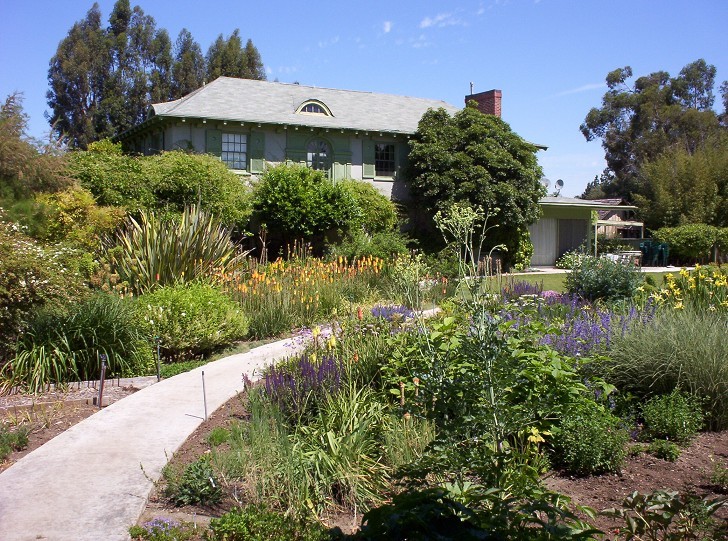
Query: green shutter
x=213 y=142
x=368 y=170
x=256 y=151
x=401 y=153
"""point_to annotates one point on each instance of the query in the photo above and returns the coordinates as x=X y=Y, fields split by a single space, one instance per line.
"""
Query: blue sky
x=549 y=57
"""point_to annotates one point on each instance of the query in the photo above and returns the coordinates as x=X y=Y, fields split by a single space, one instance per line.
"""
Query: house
x=618 y=222
x=249 y=123
x=567 y=223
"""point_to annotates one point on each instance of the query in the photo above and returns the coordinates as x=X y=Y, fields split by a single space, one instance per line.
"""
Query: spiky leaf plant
x=156 y=251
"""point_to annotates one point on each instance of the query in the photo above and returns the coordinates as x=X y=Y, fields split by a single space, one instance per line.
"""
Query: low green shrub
x=664 y=449
x=163 y=529
x=590 y=441
x=197 y=484
x=381 y=244
x=257 y=523
x=377 y=213
x=69 y=344
x=595 y=278
x=682 y=349
x=675 y=417
x=191 y=319
x=690 y=243
x=218 y=436
x=669 y=515
x=12 y=440
x=570 y=259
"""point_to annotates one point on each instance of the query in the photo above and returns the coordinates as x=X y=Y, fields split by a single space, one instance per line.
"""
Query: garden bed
x=690 y=473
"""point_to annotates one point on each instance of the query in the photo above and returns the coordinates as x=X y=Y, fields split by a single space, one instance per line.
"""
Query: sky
x=549 y=57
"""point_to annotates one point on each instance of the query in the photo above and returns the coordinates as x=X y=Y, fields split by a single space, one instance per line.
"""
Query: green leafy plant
x=719 y=476
x=258 y=523
x=191 y=319
x=690 y=242
x=156 y=252
x=676 y=417
x=664 y=449
x=218 y=436
x=599 y=278
x=12 y=440
x=590 y=440
x=197 y=484
x=63 y=345
x=660 y=515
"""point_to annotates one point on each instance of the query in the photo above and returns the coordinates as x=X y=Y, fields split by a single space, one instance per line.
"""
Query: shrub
x=167 y=182
x=154 y=251
x=690 y=242
x=382 y=244
x=180 y=179
x=73 y=216
x=295 y=202
x=599 y=278
x=590 y=441
x=30 y=276
x=257 y=523
x=191 y=319
x=69 y=344
x=377 y=213
x=676 y=416
x=666 y=450
x=197 y=484
x=570 y=259
x=682 y=349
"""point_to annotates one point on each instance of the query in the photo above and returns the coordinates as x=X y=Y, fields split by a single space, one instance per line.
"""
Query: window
x=384 y=159
x=318 y=155
x=235 y=150
x=314 y=107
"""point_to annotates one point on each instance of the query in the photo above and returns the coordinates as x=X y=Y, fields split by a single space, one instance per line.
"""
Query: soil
x=49 y=415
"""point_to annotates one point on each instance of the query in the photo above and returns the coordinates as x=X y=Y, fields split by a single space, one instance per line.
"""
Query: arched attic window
x=313 y=107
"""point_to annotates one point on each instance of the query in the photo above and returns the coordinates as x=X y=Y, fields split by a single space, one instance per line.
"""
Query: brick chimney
x=489 y=102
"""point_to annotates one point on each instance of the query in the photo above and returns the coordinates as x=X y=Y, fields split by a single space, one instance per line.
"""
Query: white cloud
x=326 y=43
x=440 y=20
x=579 y=89
x=387 y=27
x=419 y=42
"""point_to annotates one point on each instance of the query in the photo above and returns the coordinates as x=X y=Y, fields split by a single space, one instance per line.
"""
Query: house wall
x=352 y=152
x=560 y=229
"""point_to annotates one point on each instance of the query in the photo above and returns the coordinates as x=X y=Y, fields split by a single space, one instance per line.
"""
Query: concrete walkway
x=88 y=483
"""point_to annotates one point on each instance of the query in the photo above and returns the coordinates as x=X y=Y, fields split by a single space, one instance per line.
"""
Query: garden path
x=92 y=481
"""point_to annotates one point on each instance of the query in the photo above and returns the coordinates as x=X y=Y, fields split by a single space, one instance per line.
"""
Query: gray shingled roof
x=245 y=100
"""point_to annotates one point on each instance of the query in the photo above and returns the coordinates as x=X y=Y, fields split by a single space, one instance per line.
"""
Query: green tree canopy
x=228 y=57
x=636 y=123
x=103 y=80
x=188 y=70
x=477 y=159
x=682 y=187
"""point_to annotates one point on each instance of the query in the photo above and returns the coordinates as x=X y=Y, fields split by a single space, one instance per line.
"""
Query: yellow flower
x=679 y=305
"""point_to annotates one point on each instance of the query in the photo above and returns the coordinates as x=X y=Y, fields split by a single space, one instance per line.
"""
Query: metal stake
x=204 y=394
x=159 y=369
x=103 y=376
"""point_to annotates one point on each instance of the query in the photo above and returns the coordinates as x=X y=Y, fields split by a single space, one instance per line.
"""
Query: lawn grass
x=555 y=281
